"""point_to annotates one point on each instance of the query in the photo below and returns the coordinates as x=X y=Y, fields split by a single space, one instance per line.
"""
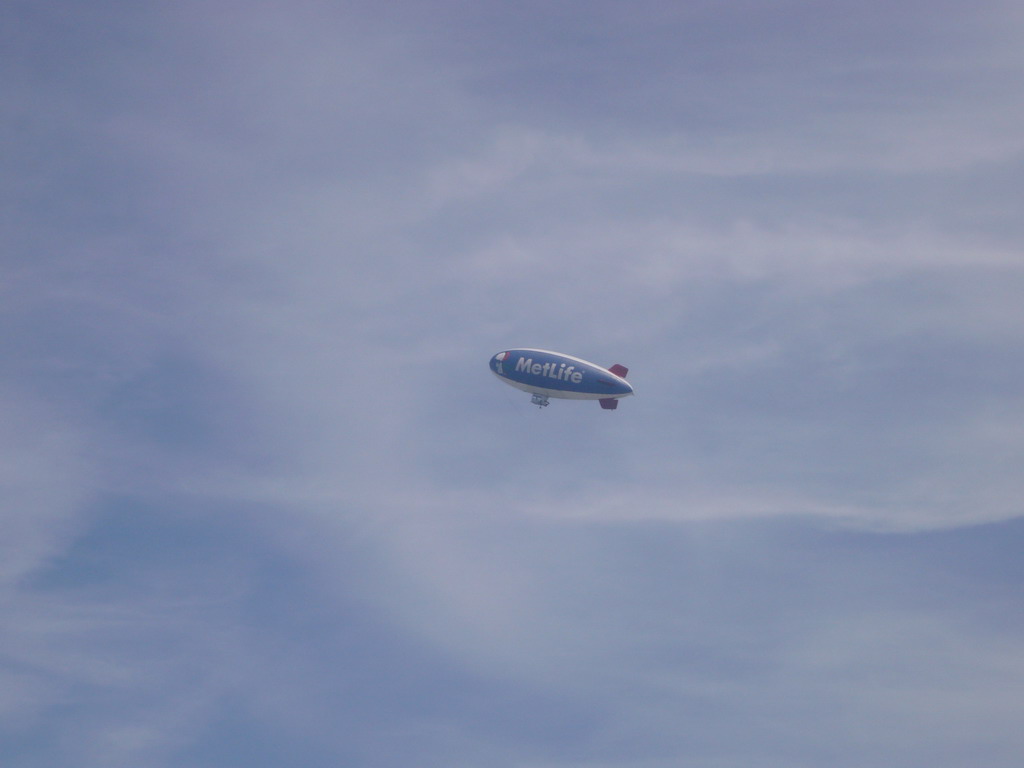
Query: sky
x=264 y=504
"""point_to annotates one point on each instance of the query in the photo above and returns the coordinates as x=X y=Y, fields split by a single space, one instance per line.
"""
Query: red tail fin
x=619 y=370
x=609 y=403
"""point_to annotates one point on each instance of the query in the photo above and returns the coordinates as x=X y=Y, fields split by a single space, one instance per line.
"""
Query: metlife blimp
x=545 y=374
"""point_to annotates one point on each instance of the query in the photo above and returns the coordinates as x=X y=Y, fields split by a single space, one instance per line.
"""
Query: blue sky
x=264 y=504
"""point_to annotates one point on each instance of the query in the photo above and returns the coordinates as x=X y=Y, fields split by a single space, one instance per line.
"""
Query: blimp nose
x=496 y=362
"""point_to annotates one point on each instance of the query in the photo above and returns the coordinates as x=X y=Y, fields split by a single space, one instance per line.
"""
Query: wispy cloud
x=266 y=503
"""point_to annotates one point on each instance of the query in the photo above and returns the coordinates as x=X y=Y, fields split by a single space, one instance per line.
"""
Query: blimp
x=545 y=374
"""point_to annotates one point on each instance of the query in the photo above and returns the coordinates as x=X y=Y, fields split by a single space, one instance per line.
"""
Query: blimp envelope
x=546 y=374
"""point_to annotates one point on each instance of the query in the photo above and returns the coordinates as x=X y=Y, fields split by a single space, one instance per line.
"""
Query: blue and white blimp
x=546 y=374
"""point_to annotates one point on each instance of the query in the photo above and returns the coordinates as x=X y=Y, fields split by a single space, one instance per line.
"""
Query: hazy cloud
x=264 y=502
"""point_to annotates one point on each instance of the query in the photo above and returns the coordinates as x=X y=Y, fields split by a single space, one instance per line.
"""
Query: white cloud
x=47 y=478
x=261 y=289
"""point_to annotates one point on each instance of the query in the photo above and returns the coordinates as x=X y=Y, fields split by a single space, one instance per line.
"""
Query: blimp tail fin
x=609 y=403
x=619 y=370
